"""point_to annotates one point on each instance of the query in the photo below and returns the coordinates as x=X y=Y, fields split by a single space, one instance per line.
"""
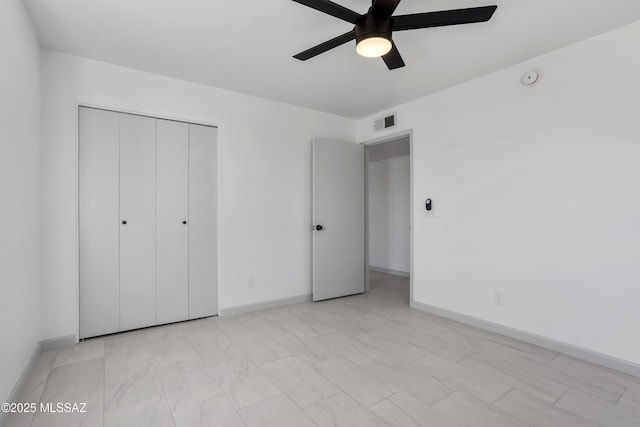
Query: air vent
x=385 y=122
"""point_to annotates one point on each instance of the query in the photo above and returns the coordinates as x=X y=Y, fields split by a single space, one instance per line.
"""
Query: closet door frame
x=76 y=113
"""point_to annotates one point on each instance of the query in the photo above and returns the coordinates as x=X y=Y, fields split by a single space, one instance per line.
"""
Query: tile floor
x=367 y=360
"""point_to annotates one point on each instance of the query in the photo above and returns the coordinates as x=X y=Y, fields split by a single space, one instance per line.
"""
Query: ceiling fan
x=372 y=31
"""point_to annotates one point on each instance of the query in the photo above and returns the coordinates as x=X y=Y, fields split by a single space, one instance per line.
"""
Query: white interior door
x=137 y=216
x=172 y=236
x=338 y=218
x=203 y=233
x=99 y=221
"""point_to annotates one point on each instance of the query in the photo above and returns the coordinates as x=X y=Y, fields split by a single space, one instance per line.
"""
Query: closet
x=147 y=221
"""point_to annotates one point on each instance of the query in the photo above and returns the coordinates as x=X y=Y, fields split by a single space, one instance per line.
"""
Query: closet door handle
x=184 y=222
x=124 y=222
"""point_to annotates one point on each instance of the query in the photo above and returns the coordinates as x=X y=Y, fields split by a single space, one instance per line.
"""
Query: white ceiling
x=247 y=45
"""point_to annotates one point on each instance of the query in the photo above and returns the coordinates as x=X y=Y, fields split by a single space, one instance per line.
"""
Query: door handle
x=124 y=222
x=184 y=222
x=318 y=227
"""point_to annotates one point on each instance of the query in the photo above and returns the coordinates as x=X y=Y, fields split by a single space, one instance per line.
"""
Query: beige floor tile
x=393 y=343
x=593 y=408
x=213 y=345
x=68 y=383
x=404 y=319
x=478 y=344
x=452 y=325
x=92 y=418
x=400 y=376
x=31 y=393
x=259 y=348
x=425 y=327
x=420 y=413
x=530 y=349
x=137 y=381
x=537 y=412
x=572 y=377
x=204 y=324
x=355 y=380
x=302 y=383
x=43 y=367
x=235 y=326
x=80 y=383
x=149 y=413
x=87 y=350
x=186 y=383
x=446 y=344
x=579 y=368
x=456 y=376
x=346 y=346
x=630 y=401
x=170 y=349
x=277 y=313
x=307 y=349
x=32 y=390
x=341 y=410
x=541 y=387
x=19 y=420
x=125 y=349
x=243 y=382
x=307 y=326
x=277 y=411
x=266 y=326
x=468 y=410
x=342 y=323
x=216 y=412
x=392 y=414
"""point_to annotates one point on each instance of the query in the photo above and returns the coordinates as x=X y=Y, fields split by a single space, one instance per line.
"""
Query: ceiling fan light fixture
x=373 y=47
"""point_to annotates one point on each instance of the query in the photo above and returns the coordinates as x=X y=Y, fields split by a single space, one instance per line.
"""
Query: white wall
x=19 y=193
x=389 y=213
x=536 y=194
x=265 y=178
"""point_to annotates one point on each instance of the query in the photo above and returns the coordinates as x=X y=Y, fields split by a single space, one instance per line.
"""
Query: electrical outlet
x=498 y=298
x=250 y=282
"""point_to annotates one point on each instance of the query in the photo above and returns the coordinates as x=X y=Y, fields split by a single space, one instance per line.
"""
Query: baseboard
x=601 y=359
x=55 y=343
x=389 y=271
x=229 y=311
x=17 y=389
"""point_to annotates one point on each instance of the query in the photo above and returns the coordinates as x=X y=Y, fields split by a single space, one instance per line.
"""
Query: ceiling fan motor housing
x=371 y=26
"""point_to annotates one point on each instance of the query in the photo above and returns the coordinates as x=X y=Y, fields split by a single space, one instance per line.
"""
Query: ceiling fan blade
x=393 y=58
x=331 y=8
x=443 y=18
x=384 y=8
x=328 y=45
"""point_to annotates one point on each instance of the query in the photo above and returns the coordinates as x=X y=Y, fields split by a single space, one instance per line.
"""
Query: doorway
x=388 y=217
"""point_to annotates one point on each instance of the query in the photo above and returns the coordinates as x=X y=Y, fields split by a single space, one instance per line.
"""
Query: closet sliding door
x=137 y=221
x=172 y=225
